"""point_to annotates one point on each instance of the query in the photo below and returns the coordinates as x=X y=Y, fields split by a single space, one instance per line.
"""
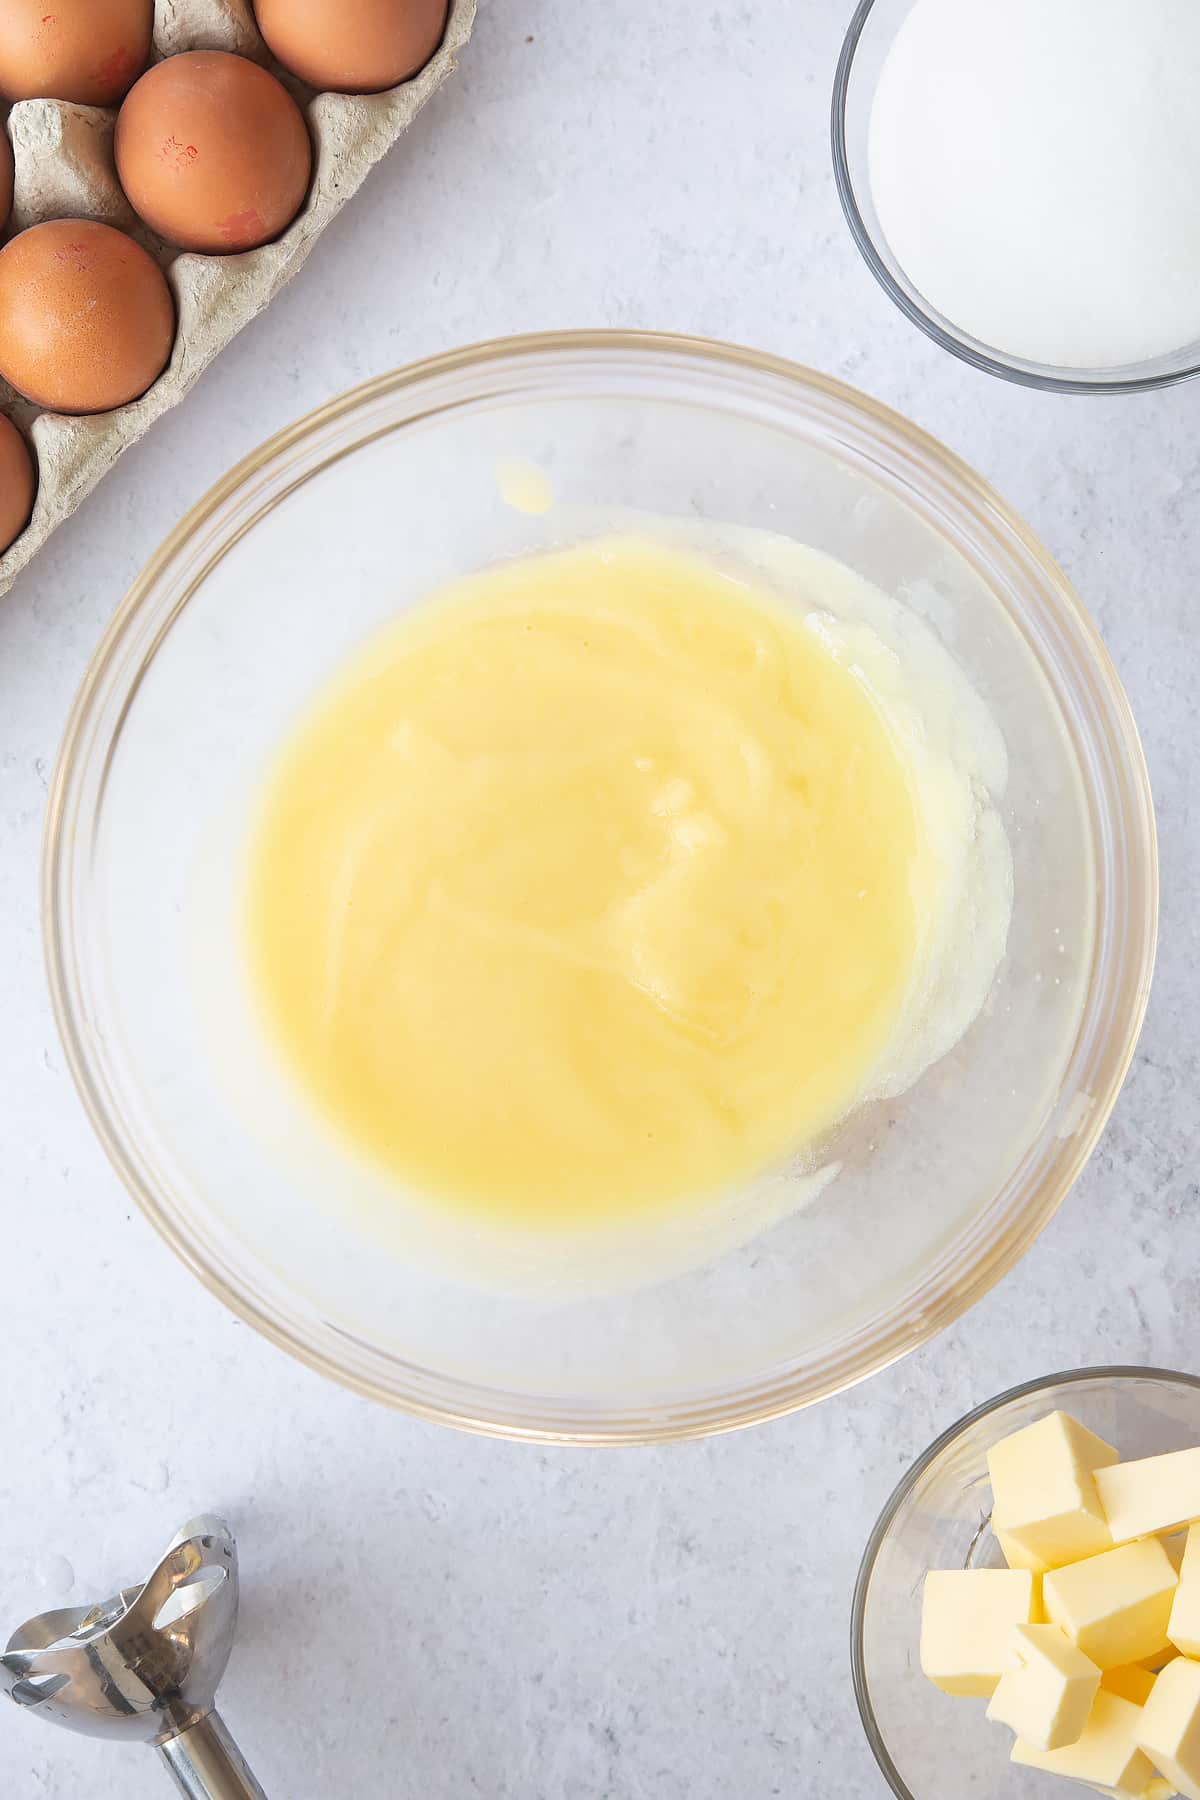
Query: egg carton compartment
x=65 y=168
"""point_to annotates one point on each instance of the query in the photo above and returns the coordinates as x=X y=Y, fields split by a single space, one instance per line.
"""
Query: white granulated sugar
x=1035 y=165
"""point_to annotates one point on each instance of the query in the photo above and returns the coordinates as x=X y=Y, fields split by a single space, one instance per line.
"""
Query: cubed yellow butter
x=1115 y=1606
x=1044 y=1495
x=1183 y=1627
x=1169 y=1731
x=1014 y=1554
x=1175 y=1545
x=1157 y=1494
x=1189 y=1568
x=1037 y=1606
x=1107 y=1755
x=967 y=1616
x=1048 y=1697
x=1184 y=1624
x=1131 y=1681
x=1160 y=1661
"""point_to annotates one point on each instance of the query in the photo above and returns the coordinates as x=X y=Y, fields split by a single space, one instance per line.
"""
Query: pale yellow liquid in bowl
x=586 y=890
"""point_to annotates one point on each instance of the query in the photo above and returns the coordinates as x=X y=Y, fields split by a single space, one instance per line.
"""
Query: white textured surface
x=427 y=1614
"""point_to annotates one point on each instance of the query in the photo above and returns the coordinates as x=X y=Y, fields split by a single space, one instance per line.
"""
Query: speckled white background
x=427 y=1614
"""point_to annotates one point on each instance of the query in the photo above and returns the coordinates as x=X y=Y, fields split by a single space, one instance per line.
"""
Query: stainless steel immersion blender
x=144 y=1666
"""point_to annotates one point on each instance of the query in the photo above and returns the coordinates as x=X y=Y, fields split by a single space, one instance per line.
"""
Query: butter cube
x=1115 y=1607
x=1014 y=1554
x=1169 y=1732
x=1047 y=1699
x=1107 y=1755
x=1044 y=1494
x=1176 y=1548
x=1160 y=1661
x=1184 y=1625
x=1157 y=1494
x=967 y=1616
x=1189 y=1568
x=1131 y=1681
x=1016 y=1558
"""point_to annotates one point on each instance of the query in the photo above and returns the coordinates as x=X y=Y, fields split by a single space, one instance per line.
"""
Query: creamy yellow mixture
x=593 y=888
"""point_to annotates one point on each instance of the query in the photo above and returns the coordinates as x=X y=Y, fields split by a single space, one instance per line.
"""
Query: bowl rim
x=767 y=1394
x=991 y=361
x=1111 y=1372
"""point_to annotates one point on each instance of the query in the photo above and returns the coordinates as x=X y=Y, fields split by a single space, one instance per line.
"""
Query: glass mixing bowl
x=928 y=1744
x=359 y=511
x=868 y=40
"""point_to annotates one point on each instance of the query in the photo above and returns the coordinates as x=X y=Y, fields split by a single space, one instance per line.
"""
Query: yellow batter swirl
x=587 y=889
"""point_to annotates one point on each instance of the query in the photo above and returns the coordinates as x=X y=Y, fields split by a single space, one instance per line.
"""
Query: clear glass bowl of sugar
x=929 y=1745
x=1112 y=260
x=360 y=511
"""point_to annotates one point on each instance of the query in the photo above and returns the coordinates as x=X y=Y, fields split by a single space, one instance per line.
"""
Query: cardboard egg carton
x=65 y=169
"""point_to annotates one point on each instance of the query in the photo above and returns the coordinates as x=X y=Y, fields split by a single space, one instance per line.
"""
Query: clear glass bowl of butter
x=926 y=1743
x=317 y=541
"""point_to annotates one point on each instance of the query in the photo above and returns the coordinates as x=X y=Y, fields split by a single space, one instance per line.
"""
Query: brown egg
x=17 y=483
x=352 y=46
x=91 y=51
x=213 y=153
x=6 y=179
x=86 y=317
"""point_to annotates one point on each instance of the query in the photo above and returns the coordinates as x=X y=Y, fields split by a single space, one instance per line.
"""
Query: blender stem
x=207 y=1765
